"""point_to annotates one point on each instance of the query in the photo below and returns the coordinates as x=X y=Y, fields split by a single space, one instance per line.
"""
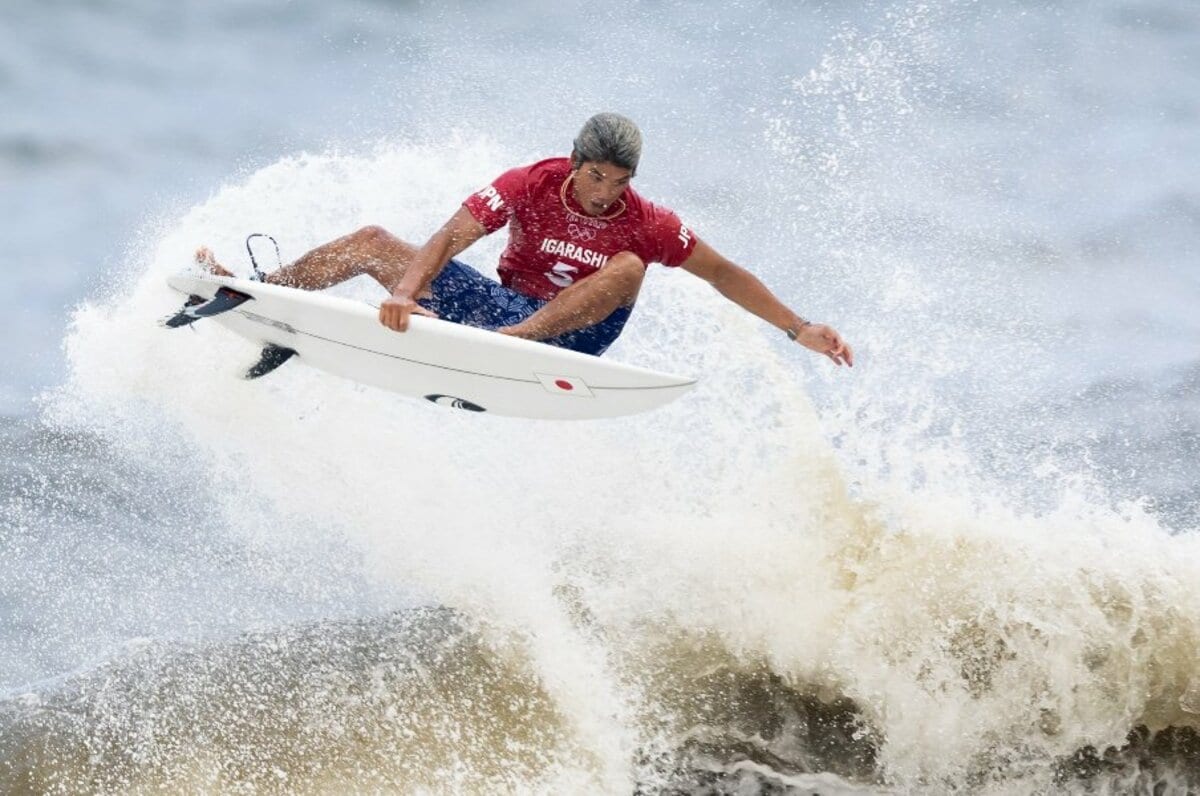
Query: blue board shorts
x=463 y=295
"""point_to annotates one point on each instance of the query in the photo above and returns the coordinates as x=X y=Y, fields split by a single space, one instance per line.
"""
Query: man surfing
x=580 y=240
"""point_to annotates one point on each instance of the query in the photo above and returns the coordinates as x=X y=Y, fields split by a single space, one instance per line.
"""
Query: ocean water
x=969 y=565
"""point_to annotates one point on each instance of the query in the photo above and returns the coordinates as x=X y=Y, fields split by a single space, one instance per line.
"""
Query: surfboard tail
x=197 y=307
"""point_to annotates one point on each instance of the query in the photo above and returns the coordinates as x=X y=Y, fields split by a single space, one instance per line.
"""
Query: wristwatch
x=793 y=333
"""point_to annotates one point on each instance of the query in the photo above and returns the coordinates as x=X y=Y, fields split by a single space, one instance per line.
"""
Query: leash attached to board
x=259 y=276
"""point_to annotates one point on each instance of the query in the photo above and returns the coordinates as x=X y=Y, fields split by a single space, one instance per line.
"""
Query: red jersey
x=552 y=242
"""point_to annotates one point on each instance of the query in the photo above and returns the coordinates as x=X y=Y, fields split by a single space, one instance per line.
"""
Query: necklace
x=562 y=193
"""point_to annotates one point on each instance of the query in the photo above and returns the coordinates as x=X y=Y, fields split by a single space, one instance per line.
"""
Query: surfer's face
x=598 y=185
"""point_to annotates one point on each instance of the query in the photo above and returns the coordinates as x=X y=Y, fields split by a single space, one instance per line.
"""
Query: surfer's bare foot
x=208 y=261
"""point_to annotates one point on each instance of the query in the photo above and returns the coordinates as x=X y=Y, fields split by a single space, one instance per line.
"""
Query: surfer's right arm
x=455 y=236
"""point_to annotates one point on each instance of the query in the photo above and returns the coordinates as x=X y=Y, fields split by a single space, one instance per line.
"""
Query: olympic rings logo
x=581 y=233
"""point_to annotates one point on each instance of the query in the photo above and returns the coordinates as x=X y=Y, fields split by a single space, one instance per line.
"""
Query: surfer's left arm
x=748 y=292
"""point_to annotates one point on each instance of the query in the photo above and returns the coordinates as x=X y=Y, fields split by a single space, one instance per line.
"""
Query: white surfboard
x=445 y=363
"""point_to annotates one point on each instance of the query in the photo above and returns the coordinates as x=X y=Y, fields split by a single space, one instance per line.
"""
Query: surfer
x=580 y=240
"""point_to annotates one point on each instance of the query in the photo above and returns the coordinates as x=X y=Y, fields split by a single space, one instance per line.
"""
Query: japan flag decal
x=565 y=385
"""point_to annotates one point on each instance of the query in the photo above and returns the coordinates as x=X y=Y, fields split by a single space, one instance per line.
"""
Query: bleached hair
x=609 y=138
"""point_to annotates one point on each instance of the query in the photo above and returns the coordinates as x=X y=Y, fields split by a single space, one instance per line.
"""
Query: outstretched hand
x=826 y=340
x=394 y=312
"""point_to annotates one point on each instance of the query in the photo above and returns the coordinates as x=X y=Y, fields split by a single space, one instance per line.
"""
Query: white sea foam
x=972 y=633
x=938 y=571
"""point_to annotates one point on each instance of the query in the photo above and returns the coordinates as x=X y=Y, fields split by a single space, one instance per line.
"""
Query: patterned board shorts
x=463 y=295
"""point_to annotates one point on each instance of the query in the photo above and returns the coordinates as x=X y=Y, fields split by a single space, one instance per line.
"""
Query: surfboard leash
x=259 y=276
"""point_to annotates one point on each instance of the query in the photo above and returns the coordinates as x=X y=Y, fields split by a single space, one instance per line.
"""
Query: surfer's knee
x=627 y=270
x=375 y=241
x=372 y=236
x=379 y=254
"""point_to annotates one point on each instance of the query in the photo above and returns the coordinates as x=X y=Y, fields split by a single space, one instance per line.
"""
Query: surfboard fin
x=196 y=307
x=272 y=357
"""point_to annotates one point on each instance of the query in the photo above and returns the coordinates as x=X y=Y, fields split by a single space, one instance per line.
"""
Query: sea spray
x=919 y=587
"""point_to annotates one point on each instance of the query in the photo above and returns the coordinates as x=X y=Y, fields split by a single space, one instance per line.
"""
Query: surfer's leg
x=371 y=250
x=586 y=302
